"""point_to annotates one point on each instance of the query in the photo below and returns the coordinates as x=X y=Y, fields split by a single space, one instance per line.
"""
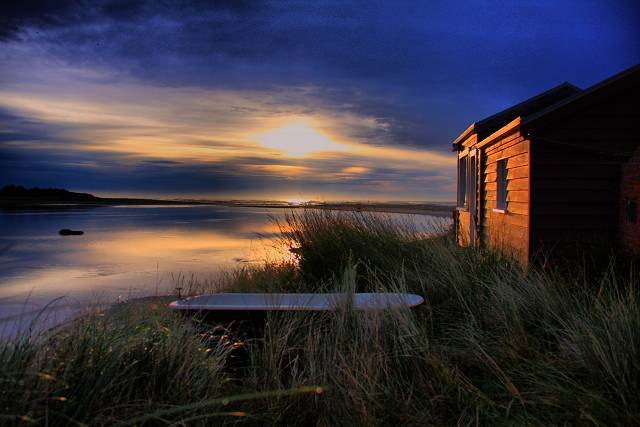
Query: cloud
x=355 y=170
x=129 y=135
x=143 y=95
x=426 y=69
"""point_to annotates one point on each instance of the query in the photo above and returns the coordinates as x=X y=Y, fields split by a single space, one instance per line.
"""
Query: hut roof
x=627 y=79
x=539 y=102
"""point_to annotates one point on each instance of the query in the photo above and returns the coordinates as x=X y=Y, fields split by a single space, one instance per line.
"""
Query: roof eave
x=514 y=108
x=464 y=135
x=506 y=129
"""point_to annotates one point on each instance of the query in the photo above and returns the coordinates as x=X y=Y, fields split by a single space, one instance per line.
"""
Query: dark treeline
x=15 y=191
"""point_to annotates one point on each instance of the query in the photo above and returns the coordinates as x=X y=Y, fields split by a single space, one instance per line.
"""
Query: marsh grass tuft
x=494 y=344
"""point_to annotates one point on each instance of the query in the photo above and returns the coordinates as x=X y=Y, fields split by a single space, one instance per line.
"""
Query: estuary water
x=125 y=252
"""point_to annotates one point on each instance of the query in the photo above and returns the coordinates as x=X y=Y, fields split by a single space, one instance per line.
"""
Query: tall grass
x=494 y=344
x=136 y=363
x=546 y=346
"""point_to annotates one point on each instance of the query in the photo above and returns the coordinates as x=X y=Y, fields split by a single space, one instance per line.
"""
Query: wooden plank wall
x=463 y=227
x=630 y=193
x=574 y=197
x=509 y=231
x=577 y=162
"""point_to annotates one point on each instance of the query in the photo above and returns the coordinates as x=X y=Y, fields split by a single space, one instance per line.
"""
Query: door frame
x=472 y=194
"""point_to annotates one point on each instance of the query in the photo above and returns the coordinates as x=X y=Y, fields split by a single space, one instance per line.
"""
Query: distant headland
x=18 y=197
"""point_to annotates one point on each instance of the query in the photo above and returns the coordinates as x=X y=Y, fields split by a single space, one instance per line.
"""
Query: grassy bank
x=493 y=345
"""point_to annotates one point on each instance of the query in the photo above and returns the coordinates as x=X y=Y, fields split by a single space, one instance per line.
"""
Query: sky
x=287 y=100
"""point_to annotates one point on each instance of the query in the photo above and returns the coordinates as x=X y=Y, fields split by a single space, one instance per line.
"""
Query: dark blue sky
x=174 y=98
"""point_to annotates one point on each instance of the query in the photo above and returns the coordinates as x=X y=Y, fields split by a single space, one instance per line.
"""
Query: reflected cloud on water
x=126 y=252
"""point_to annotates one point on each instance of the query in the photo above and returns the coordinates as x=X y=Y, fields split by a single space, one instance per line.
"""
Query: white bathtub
x=296 y=302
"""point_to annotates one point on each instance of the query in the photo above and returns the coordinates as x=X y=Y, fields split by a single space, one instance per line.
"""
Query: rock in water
x=67 y=232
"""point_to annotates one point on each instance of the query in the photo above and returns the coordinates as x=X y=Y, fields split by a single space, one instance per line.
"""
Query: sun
x=297 y=201
x=298 y=139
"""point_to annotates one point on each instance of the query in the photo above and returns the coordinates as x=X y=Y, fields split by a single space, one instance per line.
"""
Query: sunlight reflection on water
x=126 y=252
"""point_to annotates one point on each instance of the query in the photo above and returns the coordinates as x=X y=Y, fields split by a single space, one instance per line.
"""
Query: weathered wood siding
x=506 y=231
x=577 y=160
x=463 y=224
x=574 y=197
x=630 y=205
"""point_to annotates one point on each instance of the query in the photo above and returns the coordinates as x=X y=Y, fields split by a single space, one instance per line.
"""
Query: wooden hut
x=560 y=169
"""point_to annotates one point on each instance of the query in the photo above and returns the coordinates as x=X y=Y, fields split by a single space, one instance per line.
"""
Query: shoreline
x=433 y=209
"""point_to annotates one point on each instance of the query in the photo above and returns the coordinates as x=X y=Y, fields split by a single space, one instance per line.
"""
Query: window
x=462 y=182
x=632 y=211
x=502 y=185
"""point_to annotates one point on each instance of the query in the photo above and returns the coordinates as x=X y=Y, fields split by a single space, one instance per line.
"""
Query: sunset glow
x=295 y=201
x=298 y=139
x=156 y=132
x=261 y=115
x=329 y=212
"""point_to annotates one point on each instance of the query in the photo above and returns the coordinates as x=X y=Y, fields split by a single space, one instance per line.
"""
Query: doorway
x=472 y=186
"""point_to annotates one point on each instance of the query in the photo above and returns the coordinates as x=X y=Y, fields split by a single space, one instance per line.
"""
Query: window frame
x=463 y=166
x=502 y=185
x=631 y=209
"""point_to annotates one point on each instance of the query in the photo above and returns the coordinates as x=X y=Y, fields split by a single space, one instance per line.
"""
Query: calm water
x=126 y=252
